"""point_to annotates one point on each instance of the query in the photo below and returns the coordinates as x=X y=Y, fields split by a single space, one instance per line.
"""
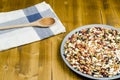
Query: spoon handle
x=16 y=26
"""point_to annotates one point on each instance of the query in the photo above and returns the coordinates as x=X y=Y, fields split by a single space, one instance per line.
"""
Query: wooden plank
x=29 y=59
x=116 y=10
x=45 y=56
x=58 y=66
x=89 y=11
x=59 y=69
x=109 y=15
x=45 y=60
x=9 y=61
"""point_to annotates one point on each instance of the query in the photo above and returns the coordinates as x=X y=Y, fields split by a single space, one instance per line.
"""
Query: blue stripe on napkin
x=42 y=32
x=48 y=13
x=22 y=20
x=34 y=17
x=30 y=10
x=32 y=13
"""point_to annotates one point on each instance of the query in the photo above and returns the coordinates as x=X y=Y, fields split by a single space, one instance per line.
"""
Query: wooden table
x=41 y=60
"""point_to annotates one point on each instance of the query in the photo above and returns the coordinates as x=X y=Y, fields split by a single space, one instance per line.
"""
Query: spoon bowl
x=46 y=22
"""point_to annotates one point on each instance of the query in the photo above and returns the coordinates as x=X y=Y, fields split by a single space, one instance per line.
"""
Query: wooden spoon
x=43 y=22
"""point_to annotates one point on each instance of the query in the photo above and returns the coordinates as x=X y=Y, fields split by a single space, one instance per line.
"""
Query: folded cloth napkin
x=16 y=37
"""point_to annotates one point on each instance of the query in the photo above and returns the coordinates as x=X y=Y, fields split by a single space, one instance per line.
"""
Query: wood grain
x=41 y=60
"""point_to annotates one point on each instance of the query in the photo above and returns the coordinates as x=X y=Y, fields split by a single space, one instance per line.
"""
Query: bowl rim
x=72 y=32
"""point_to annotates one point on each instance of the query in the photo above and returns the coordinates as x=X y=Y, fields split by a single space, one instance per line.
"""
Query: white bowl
x=78 y=72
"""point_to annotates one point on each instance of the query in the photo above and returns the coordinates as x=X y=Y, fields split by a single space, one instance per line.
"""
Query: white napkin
x=16 y=37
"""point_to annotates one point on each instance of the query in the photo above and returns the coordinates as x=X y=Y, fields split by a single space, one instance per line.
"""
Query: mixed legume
x=94 y=51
